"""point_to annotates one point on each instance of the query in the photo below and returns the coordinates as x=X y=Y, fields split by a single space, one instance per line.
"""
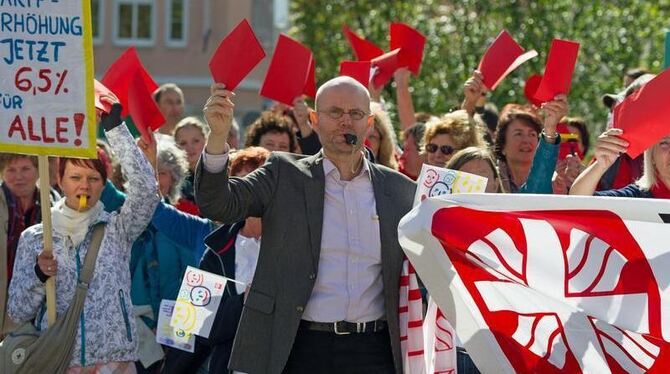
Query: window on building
x=134 y=22
x=176 y=23
x=97 y=21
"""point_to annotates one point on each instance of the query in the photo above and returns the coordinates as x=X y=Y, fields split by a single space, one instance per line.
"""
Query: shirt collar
x=329 y=167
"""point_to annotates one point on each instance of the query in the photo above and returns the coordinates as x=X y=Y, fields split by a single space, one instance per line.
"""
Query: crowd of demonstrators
x=106 y=338
x=304 y=215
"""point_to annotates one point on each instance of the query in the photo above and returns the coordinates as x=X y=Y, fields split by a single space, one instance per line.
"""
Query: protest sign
x=558 y=71
x=198 y=299
x=359 y=70
x=288 y=74
x=310 y=83
x=501 y=58
x=436 y=181
x=46 y=59
x=411 y=43
x=643 y=115
x=168 y=335
x=363 y=49
x=237 y=55
x=384 y=67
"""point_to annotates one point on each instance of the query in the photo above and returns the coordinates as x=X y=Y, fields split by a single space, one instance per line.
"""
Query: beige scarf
x=71 y=223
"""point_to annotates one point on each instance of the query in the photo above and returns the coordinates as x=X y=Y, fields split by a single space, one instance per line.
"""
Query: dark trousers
x=324 y=352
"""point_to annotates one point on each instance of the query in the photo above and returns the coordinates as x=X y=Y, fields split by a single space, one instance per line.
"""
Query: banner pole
x=45 y=203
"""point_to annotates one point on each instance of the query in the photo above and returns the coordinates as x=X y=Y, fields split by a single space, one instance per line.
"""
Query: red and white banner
x=537 y=283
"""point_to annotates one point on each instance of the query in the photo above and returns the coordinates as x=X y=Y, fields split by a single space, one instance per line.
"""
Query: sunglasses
x=445 y=149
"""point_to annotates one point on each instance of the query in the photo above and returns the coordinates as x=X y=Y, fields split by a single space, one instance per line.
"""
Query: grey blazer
x=287 y=192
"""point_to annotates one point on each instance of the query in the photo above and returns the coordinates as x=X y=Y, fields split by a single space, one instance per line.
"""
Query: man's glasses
x=337 y=113
x=445 y=149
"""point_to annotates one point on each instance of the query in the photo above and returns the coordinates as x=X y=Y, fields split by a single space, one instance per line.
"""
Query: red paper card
x=643 y=116
x=501 y=58
x=411 y=43
x=359 y=70
x=287 y=74
x=532 y=83
x=310 y=84
x=237 y=55
x=557 y=77
x=101 y=90
x=385 y=66
x=122 y=72
x=363 y=49
x=142 y=107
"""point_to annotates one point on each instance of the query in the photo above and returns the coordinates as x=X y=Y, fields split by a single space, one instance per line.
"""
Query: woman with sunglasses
x=451 y=133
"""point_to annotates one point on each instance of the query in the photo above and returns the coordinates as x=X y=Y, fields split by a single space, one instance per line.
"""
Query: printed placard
x=198 y=299
x=168 y=335
x=46 y=59
x=437 y=181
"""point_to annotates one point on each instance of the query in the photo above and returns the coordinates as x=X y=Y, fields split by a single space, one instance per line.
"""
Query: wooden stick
x=45 y=202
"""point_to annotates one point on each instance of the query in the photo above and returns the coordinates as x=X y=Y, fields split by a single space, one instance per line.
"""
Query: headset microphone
x=350 y=139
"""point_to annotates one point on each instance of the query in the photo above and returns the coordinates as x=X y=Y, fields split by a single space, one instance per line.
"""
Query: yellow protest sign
x=46 y=86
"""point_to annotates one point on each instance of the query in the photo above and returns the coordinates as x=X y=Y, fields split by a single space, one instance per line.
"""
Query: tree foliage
x=614 y=35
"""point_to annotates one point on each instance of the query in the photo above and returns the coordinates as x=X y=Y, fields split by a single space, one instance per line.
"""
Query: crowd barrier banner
x=536 y=283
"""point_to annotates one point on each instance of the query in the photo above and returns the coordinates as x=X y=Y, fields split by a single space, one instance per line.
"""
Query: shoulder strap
x=92 y=253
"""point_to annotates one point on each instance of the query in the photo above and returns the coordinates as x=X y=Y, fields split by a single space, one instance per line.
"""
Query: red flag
x=359 y=70
x=411 y=43
x=501 y=58
x=142 y=107
x=643 y=116
x=363 y=49
x=310 y=84
x=557 y=77
x=385 y=66
x=120 y=73
x=287 y=74
x=237 y=55
x=101 y=90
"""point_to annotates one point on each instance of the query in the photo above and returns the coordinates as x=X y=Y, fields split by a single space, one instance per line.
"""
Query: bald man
x=324 y=297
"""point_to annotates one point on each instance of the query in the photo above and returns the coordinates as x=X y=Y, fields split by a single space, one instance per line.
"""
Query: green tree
x=615 y=36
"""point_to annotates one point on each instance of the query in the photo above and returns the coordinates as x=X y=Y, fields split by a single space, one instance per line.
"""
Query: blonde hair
x=468 y=154
x=191 y=121
x=387 y=141
x=465 y=131
x=648 y=178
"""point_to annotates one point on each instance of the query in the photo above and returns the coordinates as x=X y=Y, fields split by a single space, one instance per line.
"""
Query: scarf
x=71 y=223
x=426 y=342
x=659 y=190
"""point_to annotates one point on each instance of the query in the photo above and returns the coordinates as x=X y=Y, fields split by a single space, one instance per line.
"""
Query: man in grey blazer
x=324 y=297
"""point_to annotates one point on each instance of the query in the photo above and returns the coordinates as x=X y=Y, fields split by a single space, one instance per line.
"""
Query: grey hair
x=172 y=159
x=337 y=82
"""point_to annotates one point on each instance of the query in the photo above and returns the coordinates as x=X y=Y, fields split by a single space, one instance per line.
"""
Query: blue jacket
x=632 y=190
x=544 y=164
x=157 y=263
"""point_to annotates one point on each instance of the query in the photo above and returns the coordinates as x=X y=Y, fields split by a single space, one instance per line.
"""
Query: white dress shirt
x=246 y=258
x=349 y=284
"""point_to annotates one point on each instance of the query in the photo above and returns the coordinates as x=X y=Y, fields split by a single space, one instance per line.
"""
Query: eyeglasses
x=337 y=113
x=445 y=149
